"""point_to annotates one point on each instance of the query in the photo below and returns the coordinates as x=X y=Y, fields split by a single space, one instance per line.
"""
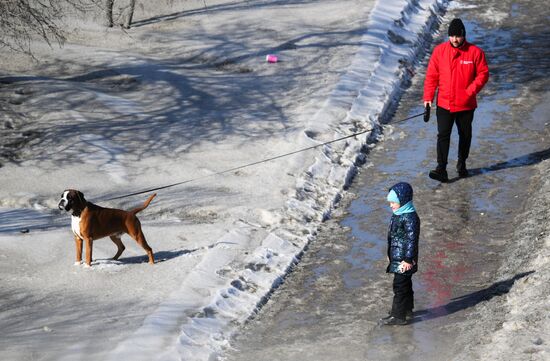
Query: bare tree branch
x=22 y=21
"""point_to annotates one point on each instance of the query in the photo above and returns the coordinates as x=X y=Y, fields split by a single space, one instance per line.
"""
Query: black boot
x=439 y=174
x=392 y=321
x=409 y=315
x=461 y=169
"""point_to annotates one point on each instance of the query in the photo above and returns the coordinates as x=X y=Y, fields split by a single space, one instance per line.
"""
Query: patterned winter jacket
x=403 y=233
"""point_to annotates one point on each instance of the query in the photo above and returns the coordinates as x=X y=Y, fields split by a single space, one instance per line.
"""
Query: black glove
x=427 y=113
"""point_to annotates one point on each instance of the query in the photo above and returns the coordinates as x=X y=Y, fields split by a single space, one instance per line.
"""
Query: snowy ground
x=182 y=95
x=520 y=322
x=178 y=98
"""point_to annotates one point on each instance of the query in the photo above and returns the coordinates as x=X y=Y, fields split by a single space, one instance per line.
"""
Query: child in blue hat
x=403 y=236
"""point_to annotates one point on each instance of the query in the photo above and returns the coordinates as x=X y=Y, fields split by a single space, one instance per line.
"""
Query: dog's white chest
x=75 y=226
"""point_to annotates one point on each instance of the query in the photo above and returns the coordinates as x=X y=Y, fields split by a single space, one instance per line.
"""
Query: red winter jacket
x=459 y=73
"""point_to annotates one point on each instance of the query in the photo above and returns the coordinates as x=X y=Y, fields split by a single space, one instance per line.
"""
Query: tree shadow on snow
x=470 y=300
x=168 y=106
x=211 y=9
x=27 y=220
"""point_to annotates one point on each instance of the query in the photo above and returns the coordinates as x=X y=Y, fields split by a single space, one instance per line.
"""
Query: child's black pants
x=403 y=295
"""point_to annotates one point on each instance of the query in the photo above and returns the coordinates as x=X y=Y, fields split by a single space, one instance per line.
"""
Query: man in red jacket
x=458 y=70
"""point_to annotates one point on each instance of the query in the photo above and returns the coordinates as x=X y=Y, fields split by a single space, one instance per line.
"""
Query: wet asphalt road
x=328 y=307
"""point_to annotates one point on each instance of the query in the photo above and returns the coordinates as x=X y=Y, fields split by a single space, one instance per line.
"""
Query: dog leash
x=259 y=161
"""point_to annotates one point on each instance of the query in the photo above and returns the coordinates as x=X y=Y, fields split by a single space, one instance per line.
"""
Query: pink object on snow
x=270 y=58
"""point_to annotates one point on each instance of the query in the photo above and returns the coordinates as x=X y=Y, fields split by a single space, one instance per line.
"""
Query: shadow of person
x=522 y=161
x=463 y=302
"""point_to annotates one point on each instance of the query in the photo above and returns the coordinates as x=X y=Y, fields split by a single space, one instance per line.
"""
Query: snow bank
x=390 y=47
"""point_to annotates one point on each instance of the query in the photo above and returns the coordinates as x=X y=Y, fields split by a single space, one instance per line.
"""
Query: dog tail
x=139 y=209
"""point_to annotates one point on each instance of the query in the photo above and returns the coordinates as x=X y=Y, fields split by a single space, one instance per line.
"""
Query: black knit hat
x=456 y=28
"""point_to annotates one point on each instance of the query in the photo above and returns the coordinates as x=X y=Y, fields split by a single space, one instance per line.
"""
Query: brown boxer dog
x=90 y=222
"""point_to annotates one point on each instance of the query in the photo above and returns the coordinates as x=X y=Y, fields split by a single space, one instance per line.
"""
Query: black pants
x=403 y=295
x=445 y=121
